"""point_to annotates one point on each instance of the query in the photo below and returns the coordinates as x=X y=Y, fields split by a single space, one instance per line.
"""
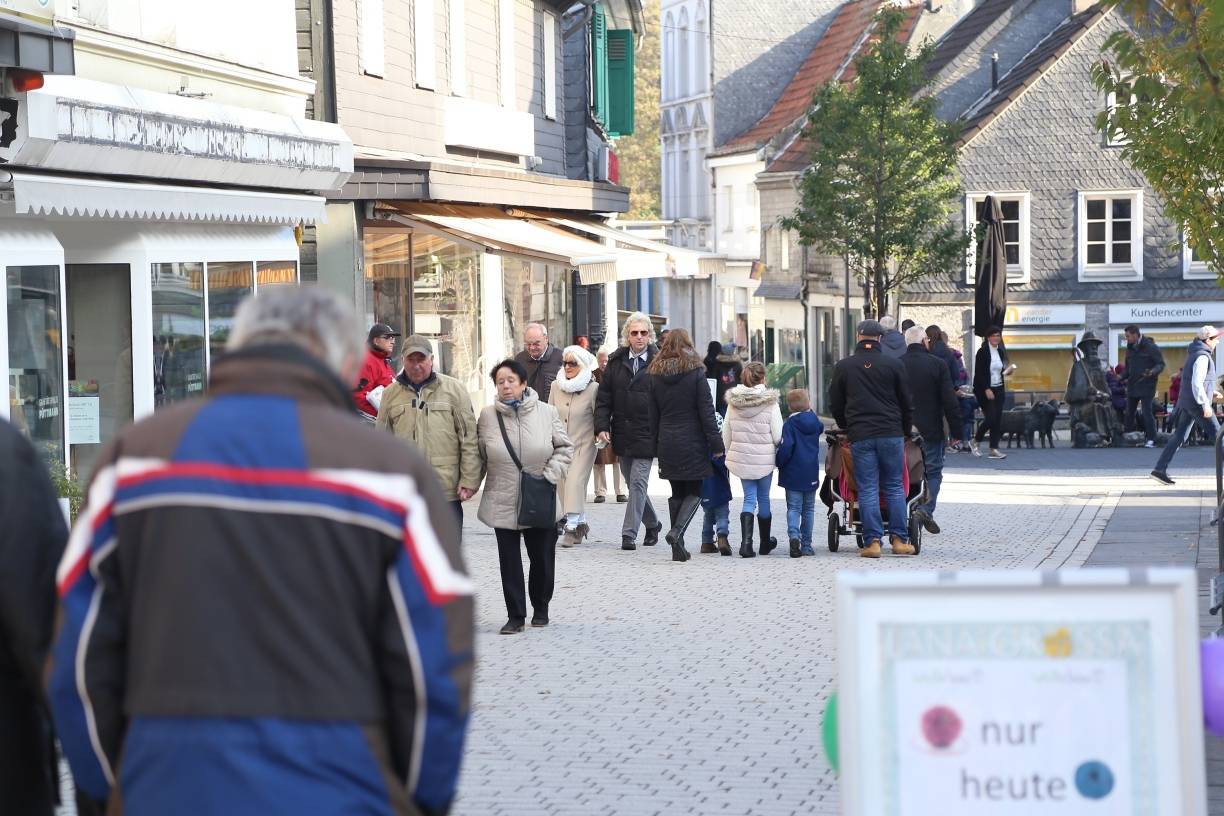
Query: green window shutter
x=599 y=66
x=620 y=82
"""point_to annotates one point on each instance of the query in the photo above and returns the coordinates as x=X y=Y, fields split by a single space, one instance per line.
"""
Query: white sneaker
x=994 y=454
x=974 y=449
x=1149 y=444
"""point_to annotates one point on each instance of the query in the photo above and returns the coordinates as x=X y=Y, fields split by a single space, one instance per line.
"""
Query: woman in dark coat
x=991 y=368
x=682 y=414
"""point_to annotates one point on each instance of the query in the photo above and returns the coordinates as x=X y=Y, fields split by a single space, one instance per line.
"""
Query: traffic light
x=14 y=81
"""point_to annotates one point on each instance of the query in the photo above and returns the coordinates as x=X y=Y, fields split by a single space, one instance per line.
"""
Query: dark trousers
x=541 y=546
x=1188 y=418
x=457 y=506
x=1149 y=419
x=992 y=413
x=684 y=487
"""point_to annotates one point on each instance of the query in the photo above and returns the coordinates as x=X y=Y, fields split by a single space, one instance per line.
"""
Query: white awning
x=94 y=198
x=684 y=263
x=503 y=234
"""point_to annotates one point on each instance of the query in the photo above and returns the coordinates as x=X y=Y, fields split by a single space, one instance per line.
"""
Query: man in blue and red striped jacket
x=265 y=609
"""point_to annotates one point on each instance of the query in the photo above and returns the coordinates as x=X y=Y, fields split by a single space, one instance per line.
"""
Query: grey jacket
x=539 y=440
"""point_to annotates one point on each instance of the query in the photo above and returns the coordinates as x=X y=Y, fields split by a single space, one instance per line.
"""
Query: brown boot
x=900 y=547
x=872 y=550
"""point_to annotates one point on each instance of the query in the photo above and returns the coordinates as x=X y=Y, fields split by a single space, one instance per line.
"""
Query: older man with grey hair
x=256 y=568
x=623 y=417
x=541 y=359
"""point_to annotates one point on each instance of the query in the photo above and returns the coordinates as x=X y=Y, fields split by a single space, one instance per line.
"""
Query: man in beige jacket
x=434 y=412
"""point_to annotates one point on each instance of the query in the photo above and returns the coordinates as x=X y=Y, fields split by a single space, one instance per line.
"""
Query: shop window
x=1193 y=266
x=1015 y=208
x=445 y=305
x=36 y=363
x=1111 y=236
x=535 y=293
x=275 y=273
x=179 y=361
x=228 y=284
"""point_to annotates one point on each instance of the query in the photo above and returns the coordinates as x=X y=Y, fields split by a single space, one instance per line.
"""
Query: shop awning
x=70 y=195
x=501 y=233
x=683 y=263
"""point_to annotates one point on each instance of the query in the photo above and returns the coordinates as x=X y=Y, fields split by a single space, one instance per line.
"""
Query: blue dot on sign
x=1094 y=780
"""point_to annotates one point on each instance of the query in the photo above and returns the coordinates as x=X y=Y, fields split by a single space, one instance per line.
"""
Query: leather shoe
x=628 y=543
x=621 y=499
x=514 y=626
x=539 y=620
x=600 y=500
x=652 y=535
x=927 y=522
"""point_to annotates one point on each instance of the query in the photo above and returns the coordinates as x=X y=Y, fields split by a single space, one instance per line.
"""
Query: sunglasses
x=639 y=333
x=569 y=364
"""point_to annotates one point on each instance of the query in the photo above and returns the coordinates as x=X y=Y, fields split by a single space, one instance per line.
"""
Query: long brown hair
x=676 y=354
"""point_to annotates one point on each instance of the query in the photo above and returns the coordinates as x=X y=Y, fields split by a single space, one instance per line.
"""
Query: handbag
x=537 y=499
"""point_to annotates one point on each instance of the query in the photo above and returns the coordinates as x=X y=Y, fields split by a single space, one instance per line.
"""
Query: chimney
x=994 y=70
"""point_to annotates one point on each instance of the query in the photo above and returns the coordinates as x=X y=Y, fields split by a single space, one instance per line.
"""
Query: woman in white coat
x=541 y=445
x=573 y=395
x=752 y=431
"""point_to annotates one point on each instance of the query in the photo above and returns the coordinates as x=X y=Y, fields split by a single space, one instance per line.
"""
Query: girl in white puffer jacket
x=751 y=433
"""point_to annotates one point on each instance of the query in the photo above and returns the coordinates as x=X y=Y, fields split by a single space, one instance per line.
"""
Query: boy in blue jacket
x=799 y=470
x=716 y=502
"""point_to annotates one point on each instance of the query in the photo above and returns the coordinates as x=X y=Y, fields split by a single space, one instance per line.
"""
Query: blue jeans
x=715 y=520
x=756 y=495
x=967 y=433
x=800 y=514
x=877 y=467
x=933 y=457
x=1186 y=418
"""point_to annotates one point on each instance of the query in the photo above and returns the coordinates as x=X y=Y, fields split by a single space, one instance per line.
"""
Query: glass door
x=99 y=359
x=36 y=362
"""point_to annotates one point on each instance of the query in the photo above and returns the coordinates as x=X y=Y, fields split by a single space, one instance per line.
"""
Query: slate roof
x=794 y=157
x=1016 y=81
x=779 y=290
x=963 y=34
x=828 y=59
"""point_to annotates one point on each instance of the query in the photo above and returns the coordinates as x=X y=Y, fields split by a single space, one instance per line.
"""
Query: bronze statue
x=1093 y=420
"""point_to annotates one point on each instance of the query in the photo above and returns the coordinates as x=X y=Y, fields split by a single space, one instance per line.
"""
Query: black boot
x=686 y=508
x=746 y=536
x=768 y=542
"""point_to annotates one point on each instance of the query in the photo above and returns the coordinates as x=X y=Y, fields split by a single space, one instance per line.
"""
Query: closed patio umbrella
x=990 y=288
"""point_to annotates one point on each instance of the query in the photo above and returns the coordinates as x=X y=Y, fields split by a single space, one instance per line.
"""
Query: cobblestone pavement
x=664 y=688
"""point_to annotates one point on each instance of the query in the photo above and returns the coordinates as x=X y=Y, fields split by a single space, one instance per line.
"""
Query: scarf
x=577 y=383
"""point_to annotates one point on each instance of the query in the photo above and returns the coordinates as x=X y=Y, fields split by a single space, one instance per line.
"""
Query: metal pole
x=1217 y=583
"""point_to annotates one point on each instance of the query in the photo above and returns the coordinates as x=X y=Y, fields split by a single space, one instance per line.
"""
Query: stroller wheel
x=834 y=532
x=915 y=533
x=858 y=539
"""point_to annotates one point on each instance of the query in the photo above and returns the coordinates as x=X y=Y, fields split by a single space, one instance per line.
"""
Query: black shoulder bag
x=537 y=500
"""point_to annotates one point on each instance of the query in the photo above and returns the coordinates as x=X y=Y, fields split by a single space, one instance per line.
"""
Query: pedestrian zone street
x=698 y=688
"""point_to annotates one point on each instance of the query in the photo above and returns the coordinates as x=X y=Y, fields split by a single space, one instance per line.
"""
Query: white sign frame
x=1164 y=600
x=1211 y=312
x=1042 y=315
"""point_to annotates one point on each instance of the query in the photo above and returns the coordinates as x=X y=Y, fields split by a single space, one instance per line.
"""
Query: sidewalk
x=1170 y=527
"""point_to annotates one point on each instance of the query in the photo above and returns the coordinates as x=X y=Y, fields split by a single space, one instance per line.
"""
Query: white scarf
x=577 y=383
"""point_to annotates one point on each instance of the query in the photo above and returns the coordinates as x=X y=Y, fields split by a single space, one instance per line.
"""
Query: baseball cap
x=870 y=328
x=417 y=344
x=382 y=330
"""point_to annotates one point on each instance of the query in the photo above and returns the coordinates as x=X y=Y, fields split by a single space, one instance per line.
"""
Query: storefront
x=119 y=293
x=1040 y=340
x=1171 y=325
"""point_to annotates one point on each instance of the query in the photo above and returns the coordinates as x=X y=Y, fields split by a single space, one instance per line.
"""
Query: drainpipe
x=994 y=71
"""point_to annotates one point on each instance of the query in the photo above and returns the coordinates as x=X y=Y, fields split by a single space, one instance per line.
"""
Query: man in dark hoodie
x=934 y=401
x=726 y=371
x=893 y=342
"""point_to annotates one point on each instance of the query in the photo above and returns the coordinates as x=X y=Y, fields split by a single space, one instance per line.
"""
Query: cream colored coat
x=539 y=439
x=577 y=413
x=752 y=431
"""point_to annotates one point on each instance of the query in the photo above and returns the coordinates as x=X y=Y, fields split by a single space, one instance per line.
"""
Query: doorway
x=99 y=307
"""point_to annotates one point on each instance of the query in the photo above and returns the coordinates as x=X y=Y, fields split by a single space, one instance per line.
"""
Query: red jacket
x=375 y=371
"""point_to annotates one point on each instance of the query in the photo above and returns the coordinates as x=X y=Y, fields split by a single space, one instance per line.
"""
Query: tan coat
x=441 y=424
x=577 y=413
x=542 y=446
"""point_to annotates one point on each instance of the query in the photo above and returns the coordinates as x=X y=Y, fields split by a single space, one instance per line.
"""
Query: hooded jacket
x=682 y=413
x=868 y=394
x=539 y=441
x=893 y=343
x=799 y=453
x=265 y=593
x=623 y=405
x=752 y=431
x=725 y=370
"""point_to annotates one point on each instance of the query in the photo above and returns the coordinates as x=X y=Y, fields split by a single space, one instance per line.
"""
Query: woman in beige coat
x=544 y=449
x=573 y=395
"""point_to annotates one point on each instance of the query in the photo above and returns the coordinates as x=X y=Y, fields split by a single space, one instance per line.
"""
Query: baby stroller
x=838 y=487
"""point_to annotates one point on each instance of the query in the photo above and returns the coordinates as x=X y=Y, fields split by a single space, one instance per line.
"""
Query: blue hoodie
x=799 y=454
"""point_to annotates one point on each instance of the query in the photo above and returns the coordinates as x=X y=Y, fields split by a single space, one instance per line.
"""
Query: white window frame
x=550 y=65
x=729 y=209
x=1192 y=269
x=784 y=250
x=424 y=45
x=370 y=44
x=1111 y=272
x=1016 y=273
x=458 y=48
x=1111 y=104
x=505 y=53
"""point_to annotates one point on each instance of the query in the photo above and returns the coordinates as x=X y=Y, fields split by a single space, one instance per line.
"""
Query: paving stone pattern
x=698 y=688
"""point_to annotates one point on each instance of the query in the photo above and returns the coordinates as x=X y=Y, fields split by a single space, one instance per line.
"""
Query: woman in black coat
x=686 y=431
x=991 y=369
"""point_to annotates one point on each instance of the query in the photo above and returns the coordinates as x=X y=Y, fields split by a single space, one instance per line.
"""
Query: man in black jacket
x=870 y=400
x=541 y=359
x=934 y=401
x=32 y=536
x=1144 y=362
x=623 y=418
